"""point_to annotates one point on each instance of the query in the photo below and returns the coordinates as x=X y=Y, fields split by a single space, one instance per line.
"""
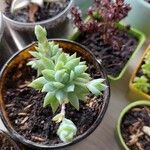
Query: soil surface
x=27 y=115
x=112 y=59
x=48 y=11
x=5 y=143
x=135 y=128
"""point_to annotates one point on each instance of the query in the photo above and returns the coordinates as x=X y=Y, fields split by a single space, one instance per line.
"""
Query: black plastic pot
x=6 y=138
x=69 y=47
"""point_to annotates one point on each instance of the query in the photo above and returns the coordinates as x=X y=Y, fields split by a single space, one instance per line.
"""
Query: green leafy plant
x=142 y=84
x=65 y=80
x=146 y=69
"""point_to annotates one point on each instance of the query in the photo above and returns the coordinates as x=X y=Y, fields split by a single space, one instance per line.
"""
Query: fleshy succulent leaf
x=51 y=100
x=48 y=74
x=72 y=63
x=74 y=100
x=47 y=63
x=48 y=87
x=96 y=86
x=58 y=118
x=70 y=88
x=60 y=95
x=80 y=69
x=59 y=75
x=67 y=130
x=38 y=83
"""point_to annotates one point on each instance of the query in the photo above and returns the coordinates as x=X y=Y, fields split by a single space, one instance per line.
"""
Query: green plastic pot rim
x=141 y=39
x=135 y=32
x=122 y=114
x=131 y=86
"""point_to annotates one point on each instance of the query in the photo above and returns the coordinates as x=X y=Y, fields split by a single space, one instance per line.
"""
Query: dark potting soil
x=48 y=11
x=5 y=143
x=27 y=115
x=112 y=59
x=132 y=128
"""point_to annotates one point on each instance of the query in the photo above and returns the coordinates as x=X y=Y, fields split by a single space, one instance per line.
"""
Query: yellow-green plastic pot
x=119 y=137
x=134 y=32
x=135 y=93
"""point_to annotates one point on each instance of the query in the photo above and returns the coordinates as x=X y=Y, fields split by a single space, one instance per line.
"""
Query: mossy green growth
x=64 y=78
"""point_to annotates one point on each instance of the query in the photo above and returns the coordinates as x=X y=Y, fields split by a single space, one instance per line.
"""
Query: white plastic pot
x=139 y=16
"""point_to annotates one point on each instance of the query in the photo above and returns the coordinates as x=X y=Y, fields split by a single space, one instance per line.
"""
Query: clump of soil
x=27 y=115
x=34 y=13
x=135 y=128
x=112 y=59
x=5 y=143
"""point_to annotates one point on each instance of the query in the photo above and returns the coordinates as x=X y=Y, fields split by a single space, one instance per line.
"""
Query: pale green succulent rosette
x=64 y=79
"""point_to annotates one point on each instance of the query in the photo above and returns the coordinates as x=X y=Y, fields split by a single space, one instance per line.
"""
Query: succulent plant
x=67 y=130
x=146 y=66
x=142 y=84
x=103 y=18
x=146 y=69
x=65 y=80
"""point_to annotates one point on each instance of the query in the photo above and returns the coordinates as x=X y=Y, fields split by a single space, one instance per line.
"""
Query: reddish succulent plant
x=104 y=16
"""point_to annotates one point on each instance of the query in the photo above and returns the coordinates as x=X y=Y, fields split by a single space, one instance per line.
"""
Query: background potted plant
x=138 y=16
x=112 y=43
x=133 y=128
x=62 y=80
x=140 y=81
x=6 y=143
x=21 y=16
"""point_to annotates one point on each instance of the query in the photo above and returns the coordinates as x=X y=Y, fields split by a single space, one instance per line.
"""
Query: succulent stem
x=63 y=107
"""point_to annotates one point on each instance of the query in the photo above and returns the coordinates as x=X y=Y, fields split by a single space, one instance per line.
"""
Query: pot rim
x=41 y=22
x=122 y=114
x=131 y=86
x=10 y=139
x=31 y=144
